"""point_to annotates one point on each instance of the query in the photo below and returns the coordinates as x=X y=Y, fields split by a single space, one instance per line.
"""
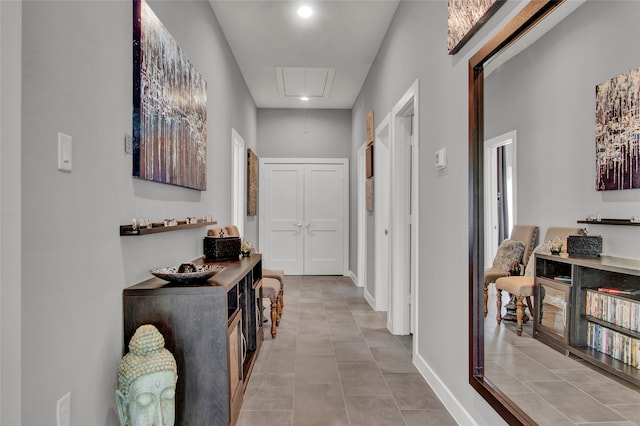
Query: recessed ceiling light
x=304 y=98
x=305 y=12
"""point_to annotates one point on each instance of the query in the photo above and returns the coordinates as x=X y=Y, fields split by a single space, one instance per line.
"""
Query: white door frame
x=361 y=279
x=490 y=186
x=345 y=202
x=402 y=319
x=238 y=181
x=381 y=202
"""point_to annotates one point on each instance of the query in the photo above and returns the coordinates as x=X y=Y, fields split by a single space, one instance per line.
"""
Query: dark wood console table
x=214 y=331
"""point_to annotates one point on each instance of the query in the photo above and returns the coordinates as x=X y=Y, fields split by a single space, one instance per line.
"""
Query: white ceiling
x=327 y=57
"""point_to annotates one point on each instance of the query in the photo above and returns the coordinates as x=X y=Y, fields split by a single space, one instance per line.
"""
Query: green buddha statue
x=147 y=379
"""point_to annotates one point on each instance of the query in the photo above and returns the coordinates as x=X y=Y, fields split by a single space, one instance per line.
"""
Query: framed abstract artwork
x=465 y=19
x=169 y=107
x=369 y=127
x=618 y=132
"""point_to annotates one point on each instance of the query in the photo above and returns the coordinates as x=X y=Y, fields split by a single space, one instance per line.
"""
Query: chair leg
x=274 y=316
x=280 y=303
x=519 y=314
x=282 y=296
x=531 y=308
x=499 y=305
x=486 y=297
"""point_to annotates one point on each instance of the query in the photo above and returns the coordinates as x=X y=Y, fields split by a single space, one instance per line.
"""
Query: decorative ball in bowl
x=187 y=273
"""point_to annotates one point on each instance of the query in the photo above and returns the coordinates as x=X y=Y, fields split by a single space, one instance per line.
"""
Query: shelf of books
x=612 y=317
x=603 y=313
x=605 y=305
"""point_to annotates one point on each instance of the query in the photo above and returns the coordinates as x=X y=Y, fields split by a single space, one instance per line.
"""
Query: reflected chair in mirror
x=523 y=287
x=502 y=263
x=271 y=279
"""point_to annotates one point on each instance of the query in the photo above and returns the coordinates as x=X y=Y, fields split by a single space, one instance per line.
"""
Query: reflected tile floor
x=333 y=362
x=551 y=388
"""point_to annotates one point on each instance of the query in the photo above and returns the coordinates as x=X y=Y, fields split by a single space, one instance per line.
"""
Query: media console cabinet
x=573 y=315
x=214 y=331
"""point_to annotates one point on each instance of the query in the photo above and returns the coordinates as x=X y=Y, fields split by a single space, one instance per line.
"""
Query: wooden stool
x=271 y=289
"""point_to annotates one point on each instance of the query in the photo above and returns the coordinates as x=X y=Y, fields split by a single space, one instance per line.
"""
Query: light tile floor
x=551 y=388
x=333 y=362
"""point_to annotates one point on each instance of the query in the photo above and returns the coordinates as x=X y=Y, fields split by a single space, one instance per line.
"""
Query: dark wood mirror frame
x=527 y=18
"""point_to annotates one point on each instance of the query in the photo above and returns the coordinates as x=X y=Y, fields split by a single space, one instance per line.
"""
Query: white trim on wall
x=362 y=221
x=491 y=235
x=405 y=139
x=238 y=181
x=382 y=211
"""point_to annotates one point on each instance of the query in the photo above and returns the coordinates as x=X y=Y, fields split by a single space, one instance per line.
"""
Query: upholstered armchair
x=507 y=252
x=523 y=287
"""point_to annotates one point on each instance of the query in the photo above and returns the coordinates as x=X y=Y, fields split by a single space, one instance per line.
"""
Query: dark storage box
x=584 y=245
x=221 y=248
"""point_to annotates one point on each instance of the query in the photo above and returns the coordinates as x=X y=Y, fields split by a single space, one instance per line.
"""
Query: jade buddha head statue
x=147 y=379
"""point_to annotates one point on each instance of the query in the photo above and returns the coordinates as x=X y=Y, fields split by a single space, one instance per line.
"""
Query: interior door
x=303 y=205
x=282 y=204
x=323 y=219
x=382 y=208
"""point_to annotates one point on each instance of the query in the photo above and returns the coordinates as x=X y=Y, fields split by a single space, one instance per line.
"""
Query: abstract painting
x=465 y=19
x=618 y=132
x=169 y=107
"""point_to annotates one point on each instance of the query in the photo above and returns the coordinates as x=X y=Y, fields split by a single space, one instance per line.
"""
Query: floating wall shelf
x=159 y=227
x=626 y=222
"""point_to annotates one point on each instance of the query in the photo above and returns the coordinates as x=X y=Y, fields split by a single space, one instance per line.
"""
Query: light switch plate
x=65 y=150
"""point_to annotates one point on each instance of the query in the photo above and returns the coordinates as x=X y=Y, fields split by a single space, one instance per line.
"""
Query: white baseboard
x=370 y=300
x=353 y=277
x=457 y=411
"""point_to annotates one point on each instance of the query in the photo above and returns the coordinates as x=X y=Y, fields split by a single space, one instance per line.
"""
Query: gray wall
x=10 y=212
x=77 y=79
x=311 y=133
x=547 y=94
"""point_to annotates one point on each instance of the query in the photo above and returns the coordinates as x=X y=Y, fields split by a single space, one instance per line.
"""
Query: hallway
x=333 y=362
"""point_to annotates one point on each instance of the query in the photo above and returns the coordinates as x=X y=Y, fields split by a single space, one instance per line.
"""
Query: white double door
x=303 y=205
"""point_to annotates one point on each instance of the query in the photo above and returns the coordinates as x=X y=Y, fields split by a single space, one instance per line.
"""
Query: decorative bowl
x=171 y=274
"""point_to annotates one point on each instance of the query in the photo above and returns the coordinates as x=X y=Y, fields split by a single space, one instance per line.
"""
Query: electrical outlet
x=63 y=411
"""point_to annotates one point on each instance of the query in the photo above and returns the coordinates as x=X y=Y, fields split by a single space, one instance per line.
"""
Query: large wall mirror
x=545 y=94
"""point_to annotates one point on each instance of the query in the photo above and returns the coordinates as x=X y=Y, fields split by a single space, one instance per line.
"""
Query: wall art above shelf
x=159 y=227
x=627 y=222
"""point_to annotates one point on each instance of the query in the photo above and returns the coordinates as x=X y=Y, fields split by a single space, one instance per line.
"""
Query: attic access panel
x=296 y=82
